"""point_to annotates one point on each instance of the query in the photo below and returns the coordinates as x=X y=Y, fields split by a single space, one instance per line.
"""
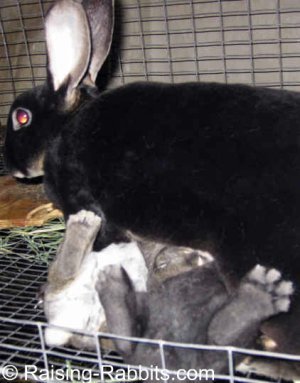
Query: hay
x=33 y=243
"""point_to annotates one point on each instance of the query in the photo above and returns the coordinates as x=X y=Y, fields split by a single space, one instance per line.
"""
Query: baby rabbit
x=157 y=295
x=71 y=300
x=207 y=166
x=173 y=312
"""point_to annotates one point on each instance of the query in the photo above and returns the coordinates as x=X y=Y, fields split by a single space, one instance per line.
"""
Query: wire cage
x=22 y=343
x=248 y=41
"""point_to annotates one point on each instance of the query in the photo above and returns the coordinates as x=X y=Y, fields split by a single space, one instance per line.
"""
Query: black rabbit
x=210 y=166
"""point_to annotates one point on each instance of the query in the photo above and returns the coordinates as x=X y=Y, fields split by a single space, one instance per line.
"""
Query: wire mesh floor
x=22 y=322
x=22 y=326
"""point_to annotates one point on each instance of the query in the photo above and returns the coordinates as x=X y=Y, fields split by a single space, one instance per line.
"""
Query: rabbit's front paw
x=276 y=293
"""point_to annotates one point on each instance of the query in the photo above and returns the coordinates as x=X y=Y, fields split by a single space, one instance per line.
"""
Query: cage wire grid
x=249 y=41
x=22 y=326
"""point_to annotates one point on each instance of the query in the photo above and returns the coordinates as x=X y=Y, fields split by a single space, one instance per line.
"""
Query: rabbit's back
x=208 y=165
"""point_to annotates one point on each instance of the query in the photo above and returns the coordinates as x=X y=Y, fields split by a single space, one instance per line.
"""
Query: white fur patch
x=204 y=257
x=130 y=258
x=78 y=306
x=17 y=174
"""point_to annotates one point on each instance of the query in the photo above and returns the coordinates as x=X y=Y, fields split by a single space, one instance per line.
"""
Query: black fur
x=203 y=165
x=210 y=166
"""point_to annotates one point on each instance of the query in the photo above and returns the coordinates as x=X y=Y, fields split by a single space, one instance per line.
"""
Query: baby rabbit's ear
x=68 y=47
x=100 y=14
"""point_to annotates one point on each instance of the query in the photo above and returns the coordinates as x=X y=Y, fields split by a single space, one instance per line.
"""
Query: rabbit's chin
x=30 y=174
x=18 y=174
x=33 y=169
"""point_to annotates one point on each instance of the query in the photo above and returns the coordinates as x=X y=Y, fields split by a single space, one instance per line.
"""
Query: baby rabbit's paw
x=270 y=288
x=83 y=227
x=84 y=217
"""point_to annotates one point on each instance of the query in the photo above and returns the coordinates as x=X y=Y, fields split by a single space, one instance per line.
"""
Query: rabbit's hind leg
x=261 y=294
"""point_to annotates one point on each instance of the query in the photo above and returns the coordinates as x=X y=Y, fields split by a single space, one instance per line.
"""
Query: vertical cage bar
x=43 y=346
x=223 y=41
x=167 y=32
x=11 y=77
x=195 y=39
x=162 y=354
x=142 y=39
x=99 y=357
x=42 y=10
x=230 y=365
x=26 y=43
x=250 y=31
x=278 y=14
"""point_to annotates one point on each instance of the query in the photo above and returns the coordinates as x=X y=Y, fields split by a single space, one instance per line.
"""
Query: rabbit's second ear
x=68 y=46
x=100 y=14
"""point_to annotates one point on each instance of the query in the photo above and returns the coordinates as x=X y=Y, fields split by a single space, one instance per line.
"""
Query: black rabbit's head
x=78 y=38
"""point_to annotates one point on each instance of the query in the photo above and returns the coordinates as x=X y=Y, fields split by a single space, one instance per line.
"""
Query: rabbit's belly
x=77 y=307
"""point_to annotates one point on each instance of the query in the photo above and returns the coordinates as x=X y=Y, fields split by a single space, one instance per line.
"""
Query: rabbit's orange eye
x=21 y=118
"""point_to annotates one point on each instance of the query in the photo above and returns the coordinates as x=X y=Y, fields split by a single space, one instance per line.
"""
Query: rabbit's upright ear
x=100 y=14
x=68 y=47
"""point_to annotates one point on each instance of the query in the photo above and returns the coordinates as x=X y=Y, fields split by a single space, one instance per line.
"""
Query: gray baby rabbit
x=71 y=300
x=173 y=312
